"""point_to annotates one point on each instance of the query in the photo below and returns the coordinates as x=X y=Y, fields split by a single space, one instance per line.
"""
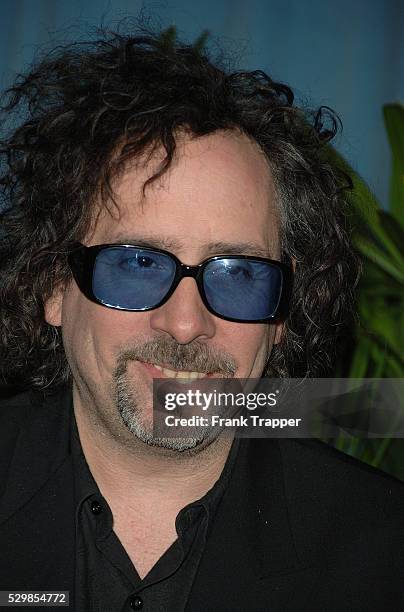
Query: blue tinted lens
x=132 y=278
x=243 y=288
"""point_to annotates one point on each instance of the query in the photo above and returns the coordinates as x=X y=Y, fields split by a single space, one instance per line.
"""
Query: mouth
x=182 y=376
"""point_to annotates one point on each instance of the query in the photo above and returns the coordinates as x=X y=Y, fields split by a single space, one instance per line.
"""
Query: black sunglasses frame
x=81 y=261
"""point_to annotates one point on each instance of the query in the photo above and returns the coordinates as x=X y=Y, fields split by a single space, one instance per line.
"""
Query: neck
x=123 y=465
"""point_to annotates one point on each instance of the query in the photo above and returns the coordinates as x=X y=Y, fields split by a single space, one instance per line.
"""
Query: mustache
x=197 y=357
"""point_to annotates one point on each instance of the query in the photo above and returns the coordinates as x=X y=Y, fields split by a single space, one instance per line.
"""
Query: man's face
x=217 y=190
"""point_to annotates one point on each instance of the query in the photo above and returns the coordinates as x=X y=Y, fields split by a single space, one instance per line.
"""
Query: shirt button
x=136 y=602
x=96 y=507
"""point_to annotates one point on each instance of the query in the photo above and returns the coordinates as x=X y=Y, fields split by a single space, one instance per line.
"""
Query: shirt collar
x=86 y=486
x=84 y=483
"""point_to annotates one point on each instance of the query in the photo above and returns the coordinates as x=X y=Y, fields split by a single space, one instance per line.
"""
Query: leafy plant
x=378 y=337
x=168 y=39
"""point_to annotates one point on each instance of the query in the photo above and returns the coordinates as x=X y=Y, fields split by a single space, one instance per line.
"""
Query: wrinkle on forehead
x=149 y=162
x=197 y=168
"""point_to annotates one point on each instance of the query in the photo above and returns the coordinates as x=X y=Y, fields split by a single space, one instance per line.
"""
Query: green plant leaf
x=380 y=453
x=393 y=229
x=394 y=122
x=360 y=359
x=370 y=251
x=200 y=42
x=384 y=241
x=365 y=209
x=378 y=336
x=168 y=37
x=364 y=203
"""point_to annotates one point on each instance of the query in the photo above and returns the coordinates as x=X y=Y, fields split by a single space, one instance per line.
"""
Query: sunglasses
x=240 y=288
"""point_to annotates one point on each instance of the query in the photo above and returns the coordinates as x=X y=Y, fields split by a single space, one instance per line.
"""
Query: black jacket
x=301 y=526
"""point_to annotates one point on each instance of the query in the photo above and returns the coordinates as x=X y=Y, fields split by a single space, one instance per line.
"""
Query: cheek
x=249 y=344
x=87 y=330
x=93 y=334
x=77 y=322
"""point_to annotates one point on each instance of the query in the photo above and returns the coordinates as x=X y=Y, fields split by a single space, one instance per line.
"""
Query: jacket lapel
x=251 y=561
x=37 y=526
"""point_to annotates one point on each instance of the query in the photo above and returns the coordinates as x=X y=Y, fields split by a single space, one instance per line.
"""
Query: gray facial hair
x=196 y=357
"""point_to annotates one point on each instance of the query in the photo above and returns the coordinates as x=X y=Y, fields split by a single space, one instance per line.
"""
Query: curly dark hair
x=85 y=109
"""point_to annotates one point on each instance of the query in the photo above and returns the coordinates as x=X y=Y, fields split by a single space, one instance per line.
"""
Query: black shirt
x=106 y=579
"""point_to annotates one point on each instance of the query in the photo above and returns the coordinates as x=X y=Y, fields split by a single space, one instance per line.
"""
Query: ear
x=280 y=325
x=53 y=308
x=278 y=332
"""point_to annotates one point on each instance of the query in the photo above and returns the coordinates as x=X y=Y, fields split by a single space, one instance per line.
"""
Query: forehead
x=218 y=190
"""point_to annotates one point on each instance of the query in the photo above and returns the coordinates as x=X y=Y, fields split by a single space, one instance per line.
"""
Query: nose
x=184 y=315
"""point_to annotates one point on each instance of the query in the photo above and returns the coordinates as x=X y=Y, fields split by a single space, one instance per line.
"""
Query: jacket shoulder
x=352 y=510
x=15 y=411
x=331 y=465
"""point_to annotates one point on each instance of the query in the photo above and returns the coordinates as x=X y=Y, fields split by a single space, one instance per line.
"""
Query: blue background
x=347 y=55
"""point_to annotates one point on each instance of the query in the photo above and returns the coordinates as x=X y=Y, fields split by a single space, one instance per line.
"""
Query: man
x=134 y=158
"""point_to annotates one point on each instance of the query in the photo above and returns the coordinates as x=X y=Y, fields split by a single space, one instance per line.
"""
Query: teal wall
x=347 y=55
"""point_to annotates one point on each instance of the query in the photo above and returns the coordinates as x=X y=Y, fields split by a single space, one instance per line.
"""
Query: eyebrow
x=217 y=247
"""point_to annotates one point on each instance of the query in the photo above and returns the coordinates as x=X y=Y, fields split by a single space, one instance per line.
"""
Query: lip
x=156 y=373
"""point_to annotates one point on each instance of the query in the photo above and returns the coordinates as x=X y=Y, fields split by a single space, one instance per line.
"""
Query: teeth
x=183 y=375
